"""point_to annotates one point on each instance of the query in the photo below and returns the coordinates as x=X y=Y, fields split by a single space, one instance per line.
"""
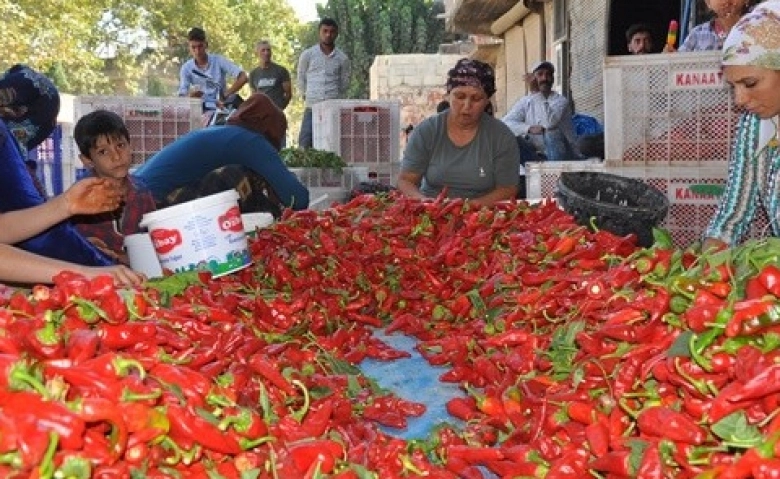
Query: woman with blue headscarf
x=463 y=149
x=47 y=245
x=751 y=65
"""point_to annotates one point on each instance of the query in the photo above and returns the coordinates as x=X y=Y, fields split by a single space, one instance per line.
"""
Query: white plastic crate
x=348 y=178
x=385 y=173
x=691 y=202
x=541 y=178
x=667 y=109
x=152 y=122
x=360 y=131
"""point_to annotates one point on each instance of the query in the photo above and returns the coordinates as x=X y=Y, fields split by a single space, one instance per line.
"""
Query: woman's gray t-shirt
x=490 y=160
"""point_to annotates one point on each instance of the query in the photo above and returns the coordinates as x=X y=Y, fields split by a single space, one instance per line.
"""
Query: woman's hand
x=93 y=195
x=122 y=275
x=669 y=48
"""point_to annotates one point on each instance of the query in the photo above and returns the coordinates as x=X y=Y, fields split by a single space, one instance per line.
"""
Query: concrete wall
x=416 y=80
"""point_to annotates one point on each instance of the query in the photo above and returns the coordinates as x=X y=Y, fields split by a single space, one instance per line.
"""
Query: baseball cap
x=546 y=65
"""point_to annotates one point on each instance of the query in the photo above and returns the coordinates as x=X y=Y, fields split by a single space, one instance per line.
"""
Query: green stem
x=301 y=413
x=47 y=468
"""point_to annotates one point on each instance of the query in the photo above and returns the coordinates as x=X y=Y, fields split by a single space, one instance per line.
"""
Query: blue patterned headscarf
x=468 y=72
x=29 y=104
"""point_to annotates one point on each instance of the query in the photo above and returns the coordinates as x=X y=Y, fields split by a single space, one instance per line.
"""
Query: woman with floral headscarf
x=47 y=244
x=462 y=149
x=751 y=65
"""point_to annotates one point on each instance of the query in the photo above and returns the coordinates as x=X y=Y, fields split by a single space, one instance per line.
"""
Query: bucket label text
x=165 y=240
x=231 y=220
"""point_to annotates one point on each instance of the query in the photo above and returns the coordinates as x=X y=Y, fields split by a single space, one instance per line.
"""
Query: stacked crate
x=365 y=133
x=670 y=121
x=329 y=185
x=153 y=122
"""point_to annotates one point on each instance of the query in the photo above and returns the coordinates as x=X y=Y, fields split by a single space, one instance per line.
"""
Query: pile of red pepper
x=578 y=354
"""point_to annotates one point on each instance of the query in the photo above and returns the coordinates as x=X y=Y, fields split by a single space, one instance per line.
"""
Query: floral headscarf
x=755 y=39
x=29 y=104
x=474 y=73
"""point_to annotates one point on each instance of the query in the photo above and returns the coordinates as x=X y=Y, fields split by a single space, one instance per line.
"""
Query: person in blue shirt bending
x=205 y=74
x=242 y=155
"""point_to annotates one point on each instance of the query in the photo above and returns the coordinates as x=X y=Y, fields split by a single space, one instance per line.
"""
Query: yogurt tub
x=142 y=256
x=203 y=234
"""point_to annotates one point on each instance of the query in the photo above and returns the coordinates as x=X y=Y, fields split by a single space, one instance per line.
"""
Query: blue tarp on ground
x=416 y=380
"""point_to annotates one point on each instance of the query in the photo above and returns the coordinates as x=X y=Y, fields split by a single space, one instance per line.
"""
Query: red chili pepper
x=92 y=410
x=190 y=427
x=662 y=422
x=42 y=416
x=582 y=412
x=597 y=434
x=474 y=454
x=320 y=453
x=121 y=336
x=268 y=369
x=464 y=408
x=763 y=384
x=192 y=384
x=614 y=462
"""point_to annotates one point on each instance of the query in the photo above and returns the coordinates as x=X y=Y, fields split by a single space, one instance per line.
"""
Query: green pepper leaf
x=735 y=430
x=681 y=346
x=662 y=239
x=638 y=448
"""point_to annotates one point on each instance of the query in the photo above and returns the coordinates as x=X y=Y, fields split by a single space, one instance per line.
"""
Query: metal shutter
x=588 y=19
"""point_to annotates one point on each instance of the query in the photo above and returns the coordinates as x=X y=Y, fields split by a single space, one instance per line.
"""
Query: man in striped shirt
x=323 y=74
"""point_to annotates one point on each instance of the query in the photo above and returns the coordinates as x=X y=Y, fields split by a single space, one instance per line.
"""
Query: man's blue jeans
x=556 y=147
x=305 y=136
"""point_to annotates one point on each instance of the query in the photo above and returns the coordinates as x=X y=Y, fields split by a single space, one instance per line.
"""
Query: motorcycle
x=225 y=107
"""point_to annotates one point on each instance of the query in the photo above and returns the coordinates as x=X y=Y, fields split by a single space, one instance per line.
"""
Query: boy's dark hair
x=328 y=22
x=196 y=34
x=637 y=28
x=98 y=123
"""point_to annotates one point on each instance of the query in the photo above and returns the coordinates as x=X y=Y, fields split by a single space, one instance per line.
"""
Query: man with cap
x=542 y=121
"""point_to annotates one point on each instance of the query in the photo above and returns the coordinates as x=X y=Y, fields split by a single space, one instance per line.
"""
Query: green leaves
x=311 y=158
x=735 y=430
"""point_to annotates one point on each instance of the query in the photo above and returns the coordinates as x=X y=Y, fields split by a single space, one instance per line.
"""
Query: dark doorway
x=656 y=14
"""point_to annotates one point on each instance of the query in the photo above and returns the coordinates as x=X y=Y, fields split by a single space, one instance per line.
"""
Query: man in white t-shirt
x=323 y=74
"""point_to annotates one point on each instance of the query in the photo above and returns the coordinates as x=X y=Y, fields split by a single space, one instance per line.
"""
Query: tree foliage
x=137 y=46
x=380 y=27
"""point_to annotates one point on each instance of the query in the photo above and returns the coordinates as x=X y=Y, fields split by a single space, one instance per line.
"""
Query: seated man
x=542 y=121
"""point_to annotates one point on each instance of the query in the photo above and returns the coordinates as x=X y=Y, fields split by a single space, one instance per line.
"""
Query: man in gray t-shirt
x=271 y=78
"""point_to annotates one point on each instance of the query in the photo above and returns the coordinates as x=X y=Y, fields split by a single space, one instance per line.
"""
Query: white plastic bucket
x=142 y=256
x=202 y=234
x=253 y=221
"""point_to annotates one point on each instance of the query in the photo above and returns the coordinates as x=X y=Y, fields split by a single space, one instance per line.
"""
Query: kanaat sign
x=696 y=79
x=700 y=194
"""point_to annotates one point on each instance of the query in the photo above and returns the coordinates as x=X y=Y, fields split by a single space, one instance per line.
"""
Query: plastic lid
x=188 y=207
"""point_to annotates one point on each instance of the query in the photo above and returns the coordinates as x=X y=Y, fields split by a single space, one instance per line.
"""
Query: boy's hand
x=93 y=195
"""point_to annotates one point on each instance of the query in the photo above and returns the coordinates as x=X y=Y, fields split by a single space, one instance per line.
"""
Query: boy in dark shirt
x=104 y=146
